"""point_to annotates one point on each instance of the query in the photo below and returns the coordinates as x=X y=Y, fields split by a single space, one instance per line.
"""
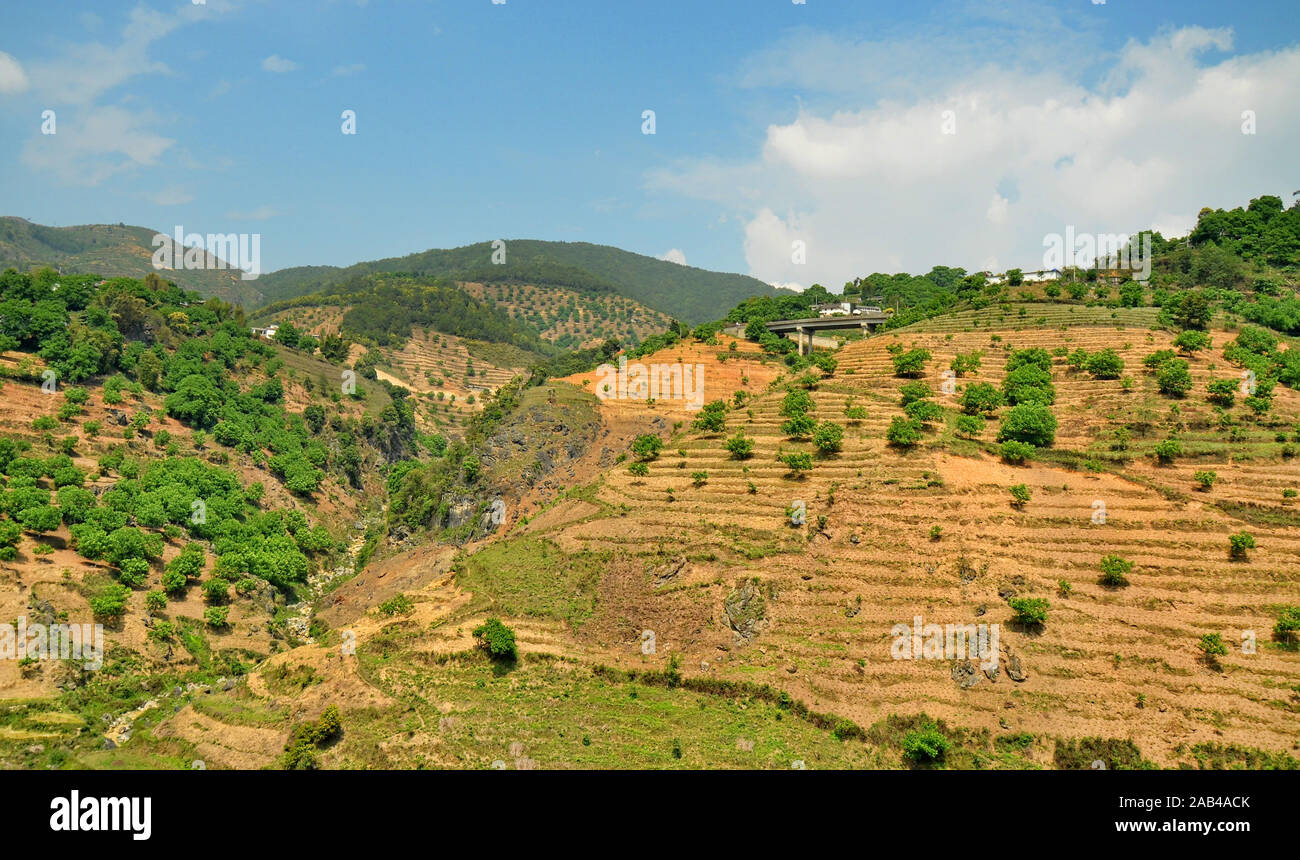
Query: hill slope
x=112 y=251
x=690 y=294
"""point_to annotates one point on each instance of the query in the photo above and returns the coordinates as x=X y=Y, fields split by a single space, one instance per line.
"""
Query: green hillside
x=111 y=251
x=690 y=294
x=687 y=293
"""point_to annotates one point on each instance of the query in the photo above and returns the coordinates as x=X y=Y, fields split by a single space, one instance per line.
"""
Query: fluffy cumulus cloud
x=675 y=255
x=978 y=169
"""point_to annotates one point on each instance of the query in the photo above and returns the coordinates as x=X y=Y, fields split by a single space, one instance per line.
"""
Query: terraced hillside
x=449 y=375
x=571 y=319
x=1114 y=662
x=699 y=557
x=110 y=438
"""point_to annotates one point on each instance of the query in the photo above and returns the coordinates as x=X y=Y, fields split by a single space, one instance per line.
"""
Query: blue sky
x=776 y=122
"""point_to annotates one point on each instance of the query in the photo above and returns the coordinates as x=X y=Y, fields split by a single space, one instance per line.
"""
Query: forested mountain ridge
x=685 y=292
x=112 y=251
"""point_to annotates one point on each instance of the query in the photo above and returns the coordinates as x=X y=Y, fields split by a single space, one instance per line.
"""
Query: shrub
x=638 y=470
x=1036 y=356
x=1156 y=360
x=1031 y=423
x=216 y=590
x=497 y=639
x=1105 y=364
x=911 y=363
x=829 y=437
x=796 y=403
x=798 y=426
x=1173 y=378
x=1212 y=645
x=110 y=603
x=1206 y=479
x=1029 y=384
x=155 y=601
x=41 y=518
x=1114 y=570
x=699 y=479
x=740 y=446
x=1239 y=544
x=1015 y=452
x=1020 y=495
x=964 y=363
x=980 y=397
x=913 y=391
x=1287 y=627
x=903 y=432
x=925 y=411
x=712 y=418
x=133 y=572
x=926 y=745
x=969 y=426
x=1029 y=611
x=1167 y=450
x=398 y=604
x=216 y=616
x=173 y=582
x=647 y=446
x=1191 y=341
x=797 y=462
x=1222 y=392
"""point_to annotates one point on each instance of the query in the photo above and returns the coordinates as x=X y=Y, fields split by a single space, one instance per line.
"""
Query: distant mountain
x=685 y=292
x=112 y=250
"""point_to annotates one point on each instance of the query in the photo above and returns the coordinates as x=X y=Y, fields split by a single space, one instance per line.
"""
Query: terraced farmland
x=1118 y=662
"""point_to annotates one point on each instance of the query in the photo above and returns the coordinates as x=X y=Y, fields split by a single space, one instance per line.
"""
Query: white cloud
x=94 y=144
x=349 y=70
x=276 y=63
x=81 y=73
x=675 y=255
x=997 y=211
x=1148 y=143
x=95 y=141
x=12 y=77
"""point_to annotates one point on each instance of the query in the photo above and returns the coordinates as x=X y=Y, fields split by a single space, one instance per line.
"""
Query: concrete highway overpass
x=802 y=331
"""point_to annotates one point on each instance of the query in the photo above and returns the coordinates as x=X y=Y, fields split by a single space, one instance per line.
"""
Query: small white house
x=267 y=333
x=834 y=309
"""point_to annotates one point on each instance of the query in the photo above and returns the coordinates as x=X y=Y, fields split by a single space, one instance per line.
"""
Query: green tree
x=740 y=446
x=1114 y=570
x=1030 y=423
x=1029 y=611
x=980 y=398
x=497 y=639
x=828 y=437
x=1192 y=341
x=647 y=446
x=1239 y=544
x=1174 y=378
x=903 y=432
x=911 y=363
x=1019 y=495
